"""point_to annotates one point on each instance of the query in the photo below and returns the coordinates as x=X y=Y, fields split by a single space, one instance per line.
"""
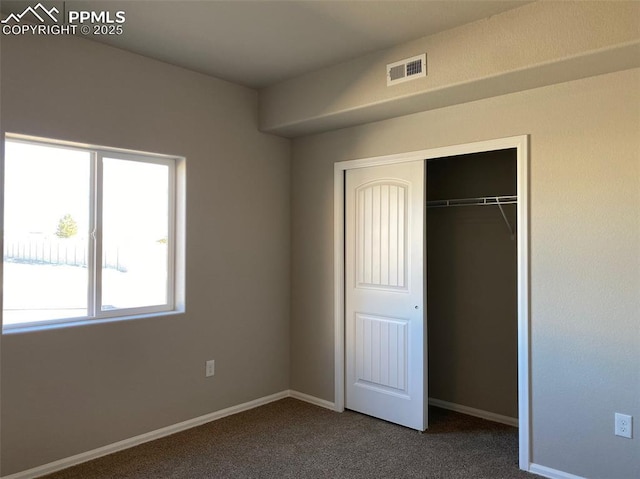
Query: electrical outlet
x=210 y=368
x=624 y=425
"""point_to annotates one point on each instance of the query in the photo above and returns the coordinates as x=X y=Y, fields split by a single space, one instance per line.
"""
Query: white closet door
x=384 y=308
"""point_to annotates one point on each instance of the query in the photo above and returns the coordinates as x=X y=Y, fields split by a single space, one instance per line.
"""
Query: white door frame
x=521 y=144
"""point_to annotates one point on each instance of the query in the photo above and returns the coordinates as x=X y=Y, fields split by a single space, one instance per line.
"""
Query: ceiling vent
x=407 y=69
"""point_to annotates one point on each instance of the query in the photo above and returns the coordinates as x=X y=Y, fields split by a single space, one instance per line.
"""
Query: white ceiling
x=258 y=43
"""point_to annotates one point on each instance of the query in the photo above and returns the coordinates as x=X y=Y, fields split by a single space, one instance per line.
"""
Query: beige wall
x=72 y=390
x=538 y=44
x=585 y=254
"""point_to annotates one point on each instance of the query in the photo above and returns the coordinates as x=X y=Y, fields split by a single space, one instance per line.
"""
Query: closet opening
x=472 y=290
x=472 y=284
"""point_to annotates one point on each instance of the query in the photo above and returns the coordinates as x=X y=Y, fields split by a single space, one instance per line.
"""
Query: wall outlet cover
x=624 y=425
x=210 y=368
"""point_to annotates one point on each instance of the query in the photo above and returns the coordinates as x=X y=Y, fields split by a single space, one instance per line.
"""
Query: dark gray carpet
x=293 y=439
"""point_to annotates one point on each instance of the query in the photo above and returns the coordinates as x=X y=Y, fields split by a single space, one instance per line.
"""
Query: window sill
x=33 y=328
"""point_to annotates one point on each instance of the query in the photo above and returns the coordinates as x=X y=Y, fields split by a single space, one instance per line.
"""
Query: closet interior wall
x=472 y=283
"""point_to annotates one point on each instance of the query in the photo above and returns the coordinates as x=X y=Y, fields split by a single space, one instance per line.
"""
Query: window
x=89 y=233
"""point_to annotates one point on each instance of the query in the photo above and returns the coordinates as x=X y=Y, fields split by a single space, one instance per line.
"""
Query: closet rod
x=483 y=201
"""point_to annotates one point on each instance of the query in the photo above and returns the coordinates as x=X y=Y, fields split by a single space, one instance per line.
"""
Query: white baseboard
x=545 y=471
x=490 y=416
x=150 y=436
x=313 y=400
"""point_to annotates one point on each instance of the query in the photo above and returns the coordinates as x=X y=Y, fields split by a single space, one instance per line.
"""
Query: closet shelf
x=483 y=201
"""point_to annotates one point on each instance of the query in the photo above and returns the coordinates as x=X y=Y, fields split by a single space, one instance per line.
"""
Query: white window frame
x=175 y=237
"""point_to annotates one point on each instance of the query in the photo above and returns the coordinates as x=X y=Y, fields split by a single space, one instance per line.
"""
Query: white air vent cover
x=407 y=69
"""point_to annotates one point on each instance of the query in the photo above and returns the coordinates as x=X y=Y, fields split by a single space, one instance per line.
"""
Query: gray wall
x=538 y=44
x=585 y=254
x=472 y=316
x=72 y=390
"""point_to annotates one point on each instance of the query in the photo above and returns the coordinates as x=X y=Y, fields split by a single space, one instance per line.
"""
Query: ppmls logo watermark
x=40 y=20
